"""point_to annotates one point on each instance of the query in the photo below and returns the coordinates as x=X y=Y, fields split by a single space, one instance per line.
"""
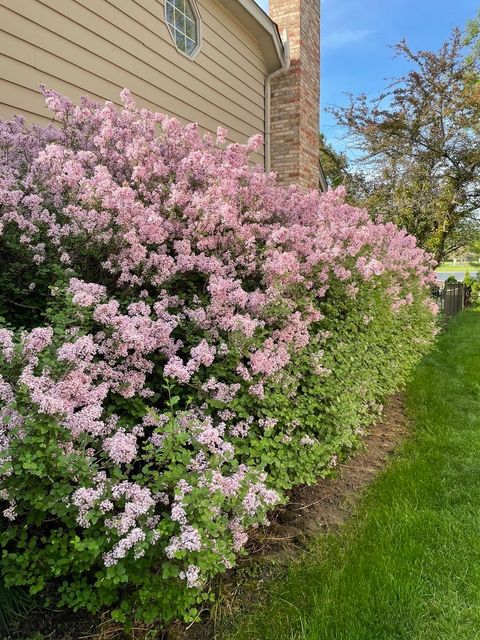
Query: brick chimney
x=295 y=96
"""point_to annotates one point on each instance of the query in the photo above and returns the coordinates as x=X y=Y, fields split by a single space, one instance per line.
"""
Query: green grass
x=14 y=604
x=458 y=268
x=407 y=566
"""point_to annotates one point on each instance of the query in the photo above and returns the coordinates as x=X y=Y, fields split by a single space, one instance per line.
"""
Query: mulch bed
x=312 y=510
x=328 y=503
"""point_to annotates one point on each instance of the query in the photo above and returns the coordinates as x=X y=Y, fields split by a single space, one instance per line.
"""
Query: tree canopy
x=420 y=143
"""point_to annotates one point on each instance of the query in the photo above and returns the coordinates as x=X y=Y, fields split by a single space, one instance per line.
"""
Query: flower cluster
x=177 y=289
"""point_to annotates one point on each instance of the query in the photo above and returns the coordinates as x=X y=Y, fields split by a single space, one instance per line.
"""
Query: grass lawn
x=407 y=566
x=449 y=266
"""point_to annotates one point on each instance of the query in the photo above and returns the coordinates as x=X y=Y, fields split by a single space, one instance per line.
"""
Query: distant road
x=459 y=275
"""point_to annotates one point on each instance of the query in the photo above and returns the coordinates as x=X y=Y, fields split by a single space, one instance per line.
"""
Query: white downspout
x=268 y=80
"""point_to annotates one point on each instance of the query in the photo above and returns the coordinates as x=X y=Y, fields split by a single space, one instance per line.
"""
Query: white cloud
x=344 y=37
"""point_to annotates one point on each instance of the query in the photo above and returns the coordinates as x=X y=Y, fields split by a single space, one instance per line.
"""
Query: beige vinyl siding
x=98 y=47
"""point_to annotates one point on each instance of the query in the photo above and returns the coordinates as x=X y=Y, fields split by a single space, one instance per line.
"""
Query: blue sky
x=355 y=38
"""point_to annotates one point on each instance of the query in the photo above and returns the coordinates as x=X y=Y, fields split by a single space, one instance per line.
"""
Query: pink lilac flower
x=192 y=576
x=6 y=343
x=85 y=294
x=124 y=545
x=10 y=512
x=239 y=535
x=188 y=540
x=257 y=390
x=203 y=354
x=82 y=349
x=176 y=369
x=36 y=340
x=121 y=447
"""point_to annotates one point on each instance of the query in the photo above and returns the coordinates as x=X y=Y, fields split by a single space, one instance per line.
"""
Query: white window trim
x=198 y=17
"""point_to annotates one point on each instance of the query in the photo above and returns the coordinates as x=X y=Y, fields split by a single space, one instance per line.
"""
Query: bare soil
x=328 y=503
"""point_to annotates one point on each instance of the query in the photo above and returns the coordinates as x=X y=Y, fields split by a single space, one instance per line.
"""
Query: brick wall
x=295 y=96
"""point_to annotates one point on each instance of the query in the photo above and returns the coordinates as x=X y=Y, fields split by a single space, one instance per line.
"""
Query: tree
x=334 y=163
x=338 y=172
x=420 y=144
x=472 y=37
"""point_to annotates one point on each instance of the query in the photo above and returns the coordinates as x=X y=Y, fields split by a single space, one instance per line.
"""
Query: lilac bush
x=181 y=341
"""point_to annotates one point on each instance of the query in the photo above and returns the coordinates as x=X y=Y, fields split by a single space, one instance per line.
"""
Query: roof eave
x=262 y=28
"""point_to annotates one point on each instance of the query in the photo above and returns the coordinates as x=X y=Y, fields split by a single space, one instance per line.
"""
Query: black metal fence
x=452 y=298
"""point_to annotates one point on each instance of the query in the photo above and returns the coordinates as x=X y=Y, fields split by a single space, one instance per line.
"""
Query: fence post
x=454 y=296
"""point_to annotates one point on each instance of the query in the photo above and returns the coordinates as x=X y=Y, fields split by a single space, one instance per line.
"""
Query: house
x=215 y=62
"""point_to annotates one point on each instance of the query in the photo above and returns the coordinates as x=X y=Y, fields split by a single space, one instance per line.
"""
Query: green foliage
x=366 y=352
x=473 y=283
x=472 y=39
x=338 y=172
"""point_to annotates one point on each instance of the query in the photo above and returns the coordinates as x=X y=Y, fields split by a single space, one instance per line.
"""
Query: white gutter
x=285 y=67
